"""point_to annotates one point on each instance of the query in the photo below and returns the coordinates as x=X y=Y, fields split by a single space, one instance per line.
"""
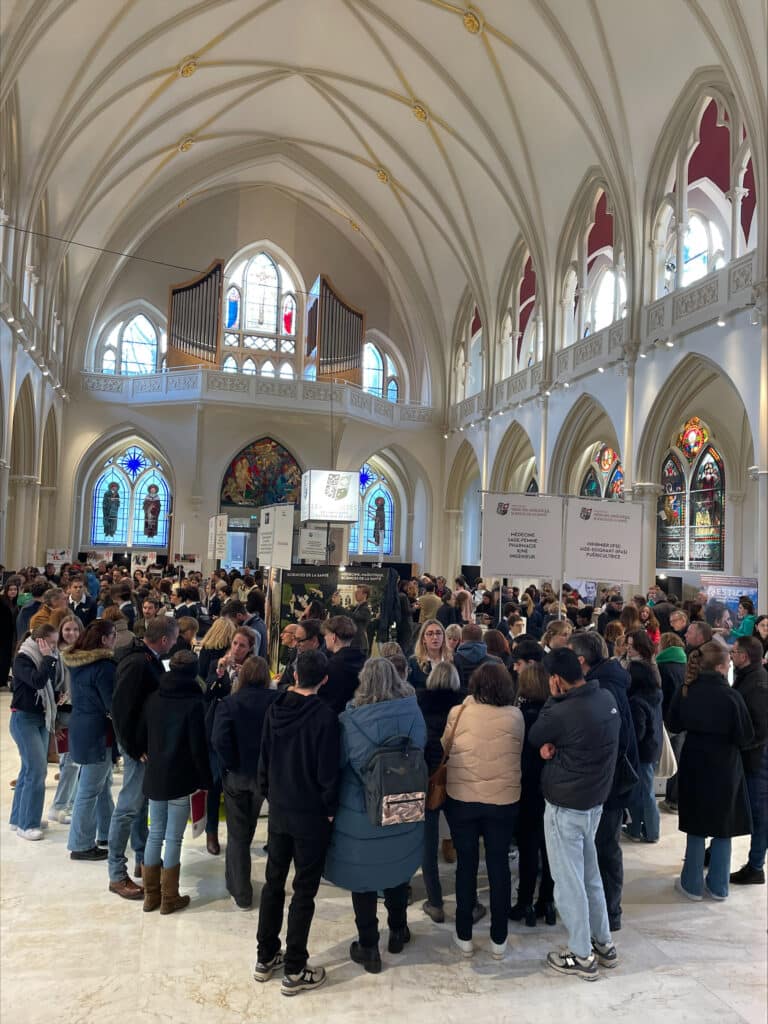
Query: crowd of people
x=528 y=720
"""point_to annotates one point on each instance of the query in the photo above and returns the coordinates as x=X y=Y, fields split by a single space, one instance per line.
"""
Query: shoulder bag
x=437 y=791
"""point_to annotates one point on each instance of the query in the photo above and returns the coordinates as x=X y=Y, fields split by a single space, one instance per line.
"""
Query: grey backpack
x=394 y=780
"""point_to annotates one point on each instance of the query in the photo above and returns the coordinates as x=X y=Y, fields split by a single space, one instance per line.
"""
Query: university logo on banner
x=522 y=535
x=502 y=508
x=586 y=513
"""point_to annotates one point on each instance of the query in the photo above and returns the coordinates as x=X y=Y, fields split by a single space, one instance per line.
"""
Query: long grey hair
x=380 y=681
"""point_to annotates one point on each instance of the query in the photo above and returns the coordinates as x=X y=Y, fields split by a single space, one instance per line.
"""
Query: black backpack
x=394 y=781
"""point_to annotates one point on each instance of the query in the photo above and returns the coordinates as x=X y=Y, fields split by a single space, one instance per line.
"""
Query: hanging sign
x=522 y=536
x=313 y=544
x=220 y=545
x=211 y=550
x=330 y=496
x=602 y=540
x=274 y=541
x=58 y=556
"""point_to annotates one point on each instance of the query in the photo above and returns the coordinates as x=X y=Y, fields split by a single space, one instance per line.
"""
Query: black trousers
x=242 y=803
x=611 y=862
x=303 y=840
x=364 y=906
x=531 y=846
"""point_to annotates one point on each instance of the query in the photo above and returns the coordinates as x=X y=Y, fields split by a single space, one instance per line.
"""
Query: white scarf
x=44 y=695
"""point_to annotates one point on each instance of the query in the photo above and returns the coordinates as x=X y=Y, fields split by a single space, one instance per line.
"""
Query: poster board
x=522 y=535
x=728 y=589
x=602 y=540
x=274 y=541
x=313 y=544
x=188 y=561
x=58 y=556
x=330 y=496
x=211 y=549
x=220 y=540
x=141 y=560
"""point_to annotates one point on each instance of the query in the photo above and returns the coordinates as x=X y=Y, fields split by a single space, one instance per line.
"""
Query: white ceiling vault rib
x=446 y=132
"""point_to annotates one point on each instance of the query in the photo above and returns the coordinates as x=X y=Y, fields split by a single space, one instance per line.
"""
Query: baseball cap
x=564 y=663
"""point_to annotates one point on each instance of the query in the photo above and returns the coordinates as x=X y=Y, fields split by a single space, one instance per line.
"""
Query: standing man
x=344 y=663
x=255 y=606
x=138 y=675
x=150 y=608
x=361 y=616
x=751 y=681
x=299 y=775
x=577 y=733
x=429 y=602
x=80 y=602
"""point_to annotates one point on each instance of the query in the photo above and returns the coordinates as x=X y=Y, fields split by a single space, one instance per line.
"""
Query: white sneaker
x=498 y=949
x=33 y=834
x=14 y=828
x=465 y=945
x=60 y=817
x=43 y=824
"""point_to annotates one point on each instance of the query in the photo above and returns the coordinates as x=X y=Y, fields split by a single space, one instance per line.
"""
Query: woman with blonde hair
x=557 y=634
x=712 y=789
x=215 y=644
x=70 y=628
x=462 y=600
x=453 y=637
x=124 y=637
x=430 y=650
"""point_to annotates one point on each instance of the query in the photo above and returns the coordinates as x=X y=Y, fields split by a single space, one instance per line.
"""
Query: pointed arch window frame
x=111 y=351
x=361 y=544
x=131 y=512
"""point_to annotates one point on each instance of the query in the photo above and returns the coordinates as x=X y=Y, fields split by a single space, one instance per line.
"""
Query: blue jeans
x=129 y=819
x=30 y=735
x=64 y=797
x=718 y=876
x=496 y=824
x=167 y=821
x=579 y=895
x=92 y=811
x=429 y=869
x=757 y=787
x=641 y=804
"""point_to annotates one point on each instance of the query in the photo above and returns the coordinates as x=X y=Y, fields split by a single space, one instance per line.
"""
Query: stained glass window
x=671 y=516
x=602 y=309
x=372 y=533
x=692 y=438
x=606 y=458
x=393 y=391
x=695 y=251
x=590 y=485
x=707 y=505
x=373 y=370
x=533 y=487
x=232 y=314
x=261 y=294
x=130 y=504
x=289 y=315
x=132 y=346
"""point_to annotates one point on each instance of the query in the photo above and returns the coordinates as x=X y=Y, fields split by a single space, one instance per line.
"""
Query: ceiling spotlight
x=490 y=417
x=721 y=321
x=461 y=430
x=601 y=369
x=19 y=329
x=669 y=343
x=643 y=355
x=547 y=392
x=754 y=317
x=11 y=319
x=445 y=437
x=566 y=384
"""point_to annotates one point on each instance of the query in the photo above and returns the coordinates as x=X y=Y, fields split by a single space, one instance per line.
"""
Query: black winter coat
x=672 y=678
x=343 y=671
x=208 y=656
x=28 y=681
x=712 y=798
x=752 y=684
x=531 y=764
x=172 y=731
x=434 y=706
x=138 y=675
x=237 y=729
x=613 y=678
x=583 y=724
x=645 y=705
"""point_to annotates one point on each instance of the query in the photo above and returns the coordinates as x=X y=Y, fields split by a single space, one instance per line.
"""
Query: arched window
x=260 y=313
x=249 y=367
x=131 y=345
x=691 y=510
x=372 y=534
x=533 y=486
x=229 y=365
x=380 y=374
x=602 y=306
x=131 y=502
x=475 y=371
x=604 y=477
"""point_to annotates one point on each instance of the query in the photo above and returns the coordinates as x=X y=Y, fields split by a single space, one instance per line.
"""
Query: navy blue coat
x=363 y=857
x=92 y=680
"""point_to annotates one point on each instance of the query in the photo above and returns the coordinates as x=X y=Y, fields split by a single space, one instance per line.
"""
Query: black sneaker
x=748 y=876
x=310 y=977
x=606 y=956
x=398 y=937
x=93 y=854
x=568 y=963
x=263 y=972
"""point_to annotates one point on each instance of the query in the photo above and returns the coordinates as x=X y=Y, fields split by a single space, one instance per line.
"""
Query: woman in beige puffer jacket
x=483 y=797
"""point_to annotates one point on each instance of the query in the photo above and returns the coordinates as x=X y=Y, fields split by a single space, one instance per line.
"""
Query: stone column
x=22 y=544
x=735 y=506
x=760 y=471
x=5 y=472
x=647 y=494
x=736 y=195
x=628 y=441
x=47 y=504
x=544 y=482
x=453 y=537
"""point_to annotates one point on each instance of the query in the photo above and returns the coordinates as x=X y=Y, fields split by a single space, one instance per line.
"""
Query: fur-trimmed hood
x=76 y=659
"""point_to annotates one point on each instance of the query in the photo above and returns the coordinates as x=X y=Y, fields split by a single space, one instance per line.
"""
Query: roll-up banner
x=522 y=536
x=602 y=540
x=274 y=541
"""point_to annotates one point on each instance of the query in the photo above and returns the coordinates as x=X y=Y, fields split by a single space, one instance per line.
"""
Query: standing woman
x=761 y=632
x=650 y=624
x=532 y=694
x=441 y=694
x=557 y=634
x=33 y=714
x=365 y=858
x=645 y=703
x=92 y=668
x=453 y=638
x=713 y=798
x=215 y=644
x=483 y=797
x=430 y=650
x=236 y=739
x=60 y=810
x=172 y=732
x=745 y=613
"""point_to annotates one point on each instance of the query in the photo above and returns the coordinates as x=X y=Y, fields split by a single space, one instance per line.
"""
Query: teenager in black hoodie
x=299 y=774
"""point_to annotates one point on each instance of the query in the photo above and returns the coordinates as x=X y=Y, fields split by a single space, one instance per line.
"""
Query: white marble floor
x=71 y=951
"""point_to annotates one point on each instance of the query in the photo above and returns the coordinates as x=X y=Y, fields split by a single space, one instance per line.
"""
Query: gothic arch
x=586 y=424
x=515 y=462
x=465 y=467
x=24 y=432
x=279 y=473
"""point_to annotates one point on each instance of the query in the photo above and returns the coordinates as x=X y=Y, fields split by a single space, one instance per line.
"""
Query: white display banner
x=522 y=536
x=274 y=541
x=58 y=556
x=220 y=546
x=602 y=540
x=330 y=496
x=313 y=545
x=141 y=560
x=211 y=552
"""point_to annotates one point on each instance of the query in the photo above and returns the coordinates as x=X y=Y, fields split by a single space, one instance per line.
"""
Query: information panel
x=330 y=496
x=522 y=535
x=602 y=540
x=313 y=544
x=274 y=541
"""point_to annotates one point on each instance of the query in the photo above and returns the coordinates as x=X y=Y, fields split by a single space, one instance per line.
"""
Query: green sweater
x=672 y=654
x=745 y=628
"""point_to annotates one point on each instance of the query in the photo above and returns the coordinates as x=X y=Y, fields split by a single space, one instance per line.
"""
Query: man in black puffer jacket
x=577 y=733
x=593 y=656
x=751 y=681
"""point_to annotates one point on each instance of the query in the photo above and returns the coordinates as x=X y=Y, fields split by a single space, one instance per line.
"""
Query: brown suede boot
x=169 y=889
x=151 y=879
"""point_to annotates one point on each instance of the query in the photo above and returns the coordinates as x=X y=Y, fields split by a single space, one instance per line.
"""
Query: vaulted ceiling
x=436 y=133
